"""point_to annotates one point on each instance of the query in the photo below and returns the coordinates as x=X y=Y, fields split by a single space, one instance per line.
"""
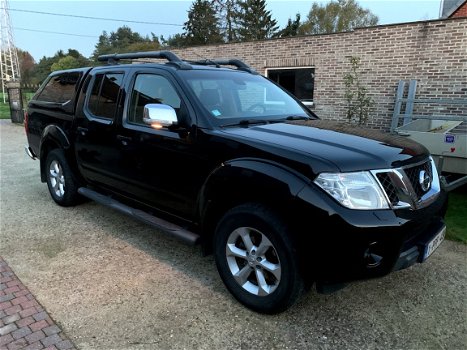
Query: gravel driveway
x=113 y=283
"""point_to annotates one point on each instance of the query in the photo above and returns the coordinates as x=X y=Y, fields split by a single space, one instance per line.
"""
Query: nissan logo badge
x=424 y=179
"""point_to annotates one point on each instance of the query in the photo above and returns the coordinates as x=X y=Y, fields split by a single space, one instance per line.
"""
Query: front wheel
x=256 y=259
x=60 y=180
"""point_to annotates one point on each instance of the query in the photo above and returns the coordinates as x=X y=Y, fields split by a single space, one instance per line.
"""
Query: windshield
x=237 y=95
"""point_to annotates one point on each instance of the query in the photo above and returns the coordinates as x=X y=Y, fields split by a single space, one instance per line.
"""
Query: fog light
x=372 y=259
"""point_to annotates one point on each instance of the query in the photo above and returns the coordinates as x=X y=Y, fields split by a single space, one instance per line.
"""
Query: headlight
x=353 y=190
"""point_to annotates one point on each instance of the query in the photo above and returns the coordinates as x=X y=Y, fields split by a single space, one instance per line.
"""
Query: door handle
x=124 y=139
x=82 y=131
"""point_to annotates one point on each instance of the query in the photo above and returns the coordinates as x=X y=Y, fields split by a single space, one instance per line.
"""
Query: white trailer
x=445 y=136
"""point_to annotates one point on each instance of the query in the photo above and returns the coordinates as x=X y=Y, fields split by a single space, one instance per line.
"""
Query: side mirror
x=159 y=115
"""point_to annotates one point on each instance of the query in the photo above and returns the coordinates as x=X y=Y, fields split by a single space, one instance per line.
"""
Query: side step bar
x=172 y=229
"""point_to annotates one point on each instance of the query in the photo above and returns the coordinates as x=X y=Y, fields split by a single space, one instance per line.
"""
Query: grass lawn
x=456 y=217
x=4 y=110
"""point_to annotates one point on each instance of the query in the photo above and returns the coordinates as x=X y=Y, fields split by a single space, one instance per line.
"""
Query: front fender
x=246 y=179
x=253 y=171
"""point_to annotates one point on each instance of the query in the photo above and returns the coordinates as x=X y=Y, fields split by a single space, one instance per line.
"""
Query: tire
x=60 y=180
x=252 y=244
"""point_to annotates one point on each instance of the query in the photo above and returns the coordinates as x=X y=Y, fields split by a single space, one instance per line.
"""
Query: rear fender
x=52 y=137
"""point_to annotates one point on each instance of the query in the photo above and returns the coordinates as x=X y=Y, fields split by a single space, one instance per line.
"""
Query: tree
x=43 y=68
x=227 y=12
x=26 y=67
x=291 y=29
x=359 y=103
x=254 y=21
x=103 y=45
x=67 y=62
x=337 y=16
x=175 y=41
x=202 y=26
x=124 y=40
x=80 y=59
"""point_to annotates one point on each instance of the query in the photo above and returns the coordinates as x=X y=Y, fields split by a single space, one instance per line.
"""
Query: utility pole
x=9 y=64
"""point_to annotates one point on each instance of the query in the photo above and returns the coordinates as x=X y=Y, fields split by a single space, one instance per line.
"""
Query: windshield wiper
x=297 y=117
x=252 y=121
x=248 y=122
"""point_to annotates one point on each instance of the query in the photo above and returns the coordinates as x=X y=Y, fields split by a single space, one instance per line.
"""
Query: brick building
x=453 y=9
x=432 y=52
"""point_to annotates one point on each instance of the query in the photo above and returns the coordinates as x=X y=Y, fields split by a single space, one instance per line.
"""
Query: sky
x=166 y=17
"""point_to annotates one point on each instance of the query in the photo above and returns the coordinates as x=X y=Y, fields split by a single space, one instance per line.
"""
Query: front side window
x=104 y=95
x=60 y=88
x=151 y=88
x=238 y=95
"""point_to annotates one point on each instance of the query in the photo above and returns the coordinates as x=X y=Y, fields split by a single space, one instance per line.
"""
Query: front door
x=160 y=165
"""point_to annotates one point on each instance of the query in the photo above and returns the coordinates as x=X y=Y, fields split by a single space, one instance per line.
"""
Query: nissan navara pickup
x=226 y=158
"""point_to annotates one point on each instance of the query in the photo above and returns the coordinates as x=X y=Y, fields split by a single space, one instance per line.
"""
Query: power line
x=50 y=32
x=97 y=18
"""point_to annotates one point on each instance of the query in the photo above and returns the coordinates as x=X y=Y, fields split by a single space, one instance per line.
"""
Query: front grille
x=413 y=175
x=388 y=187
x=403 y=188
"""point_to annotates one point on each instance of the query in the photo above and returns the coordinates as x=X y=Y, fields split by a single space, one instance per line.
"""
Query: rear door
x=96 y=145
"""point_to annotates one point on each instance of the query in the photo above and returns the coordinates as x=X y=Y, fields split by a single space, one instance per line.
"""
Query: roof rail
x=227 y=62
x=169 y=56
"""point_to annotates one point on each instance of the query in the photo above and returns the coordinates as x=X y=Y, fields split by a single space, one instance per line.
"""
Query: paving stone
x=21 y=333
x=8 y=329
x=11 y=319
x=36 y=336
x=6 y=297
x=51 y=330
x=5 y=339
x=40 y=325
x=17 y=344
x=34 y=346
x=24 y=324
x=51 y=340
x=25 y=321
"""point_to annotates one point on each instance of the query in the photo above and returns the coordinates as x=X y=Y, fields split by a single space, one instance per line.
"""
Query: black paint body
x=193 y=175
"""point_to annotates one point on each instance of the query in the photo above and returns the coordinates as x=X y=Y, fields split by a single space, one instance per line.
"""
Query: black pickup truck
x=225 y=158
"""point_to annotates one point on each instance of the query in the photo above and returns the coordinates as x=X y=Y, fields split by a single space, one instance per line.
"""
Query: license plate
x=434 y=243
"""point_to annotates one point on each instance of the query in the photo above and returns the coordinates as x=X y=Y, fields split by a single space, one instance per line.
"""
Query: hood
x=349 y=148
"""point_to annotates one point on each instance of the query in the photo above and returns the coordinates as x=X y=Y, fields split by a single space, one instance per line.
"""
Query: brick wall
x=433 y=52
x=461 y=11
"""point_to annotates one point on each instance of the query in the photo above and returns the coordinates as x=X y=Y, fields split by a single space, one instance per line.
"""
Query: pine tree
x=291 y=29
x=124 y=39
x=227 y=11
x=255 y=22
x=202 y=26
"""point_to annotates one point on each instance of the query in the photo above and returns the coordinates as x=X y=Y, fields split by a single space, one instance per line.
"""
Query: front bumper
x=365 y=244
x=417 y=252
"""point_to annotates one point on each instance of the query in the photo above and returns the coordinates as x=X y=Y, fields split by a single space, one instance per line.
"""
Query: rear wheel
x=256 y=259
x=60 y=180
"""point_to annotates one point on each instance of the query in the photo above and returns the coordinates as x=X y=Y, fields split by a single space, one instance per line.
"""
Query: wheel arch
x=52 y=137
x=246 y=180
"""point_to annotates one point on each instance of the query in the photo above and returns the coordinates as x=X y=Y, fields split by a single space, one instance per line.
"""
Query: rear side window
x=60 y=88
x=104 y=95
